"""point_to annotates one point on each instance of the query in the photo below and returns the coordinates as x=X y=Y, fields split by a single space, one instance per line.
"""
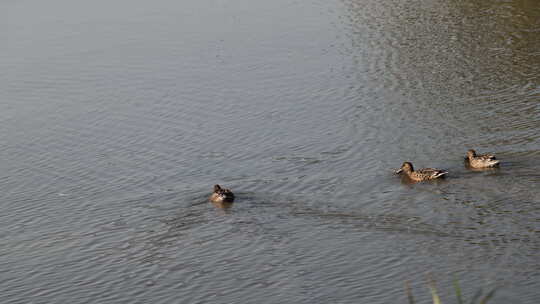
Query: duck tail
x=494 y=162
x=440 y=173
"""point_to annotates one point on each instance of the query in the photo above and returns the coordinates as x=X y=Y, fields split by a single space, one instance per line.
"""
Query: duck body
x=421 y=174
x=481 y=160
x=221 y=195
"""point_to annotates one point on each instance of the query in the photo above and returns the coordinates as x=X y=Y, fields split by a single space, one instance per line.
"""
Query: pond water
x=118 y=117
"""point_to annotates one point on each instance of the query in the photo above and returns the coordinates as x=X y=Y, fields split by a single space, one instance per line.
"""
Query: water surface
x=118 y=117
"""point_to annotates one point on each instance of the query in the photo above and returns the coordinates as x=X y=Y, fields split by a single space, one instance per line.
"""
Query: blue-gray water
x=118 y=117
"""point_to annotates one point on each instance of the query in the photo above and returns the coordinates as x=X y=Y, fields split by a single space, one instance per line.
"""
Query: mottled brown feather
x=421 y=174
x=481 y=160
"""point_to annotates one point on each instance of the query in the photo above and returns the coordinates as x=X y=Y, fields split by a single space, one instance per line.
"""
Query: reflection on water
x=118 y=118
x=223 y=205
x=407 y=181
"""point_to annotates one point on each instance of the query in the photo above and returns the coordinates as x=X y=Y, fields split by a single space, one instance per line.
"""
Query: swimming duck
x=422 y=174
x=481 y=160
x=221 y=195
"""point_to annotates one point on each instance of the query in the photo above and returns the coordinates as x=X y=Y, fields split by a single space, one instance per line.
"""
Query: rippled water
x=117 y=118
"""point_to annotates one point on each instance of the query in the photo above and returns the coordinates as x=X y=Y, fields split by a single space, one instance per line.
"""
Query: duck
x=481 y=160
x=422 y=174
x=221 y=195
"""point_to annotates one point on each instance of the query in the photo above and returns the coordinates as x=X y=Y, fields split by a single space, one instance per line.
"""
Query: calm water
x=117 y=118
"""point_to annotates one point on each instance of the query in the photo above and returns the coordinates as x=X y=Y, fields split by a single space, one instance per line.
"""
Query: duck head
x=223 y=194
x=471 y=154
x=406 y=167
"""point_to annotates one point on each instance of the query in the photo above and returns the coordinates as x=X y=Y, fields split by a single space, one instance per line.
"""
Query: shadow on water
x=469 y=220
x=442 y=87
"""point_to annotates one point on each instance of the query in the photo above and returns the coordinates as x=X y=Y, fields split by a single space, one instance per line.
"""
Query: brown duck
x=221 y=195
x=481 y=160
x=422 y=174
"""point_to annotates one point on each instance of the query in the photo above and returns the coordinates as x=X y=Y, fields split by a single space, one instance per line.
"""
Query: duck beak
x=398 y=171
